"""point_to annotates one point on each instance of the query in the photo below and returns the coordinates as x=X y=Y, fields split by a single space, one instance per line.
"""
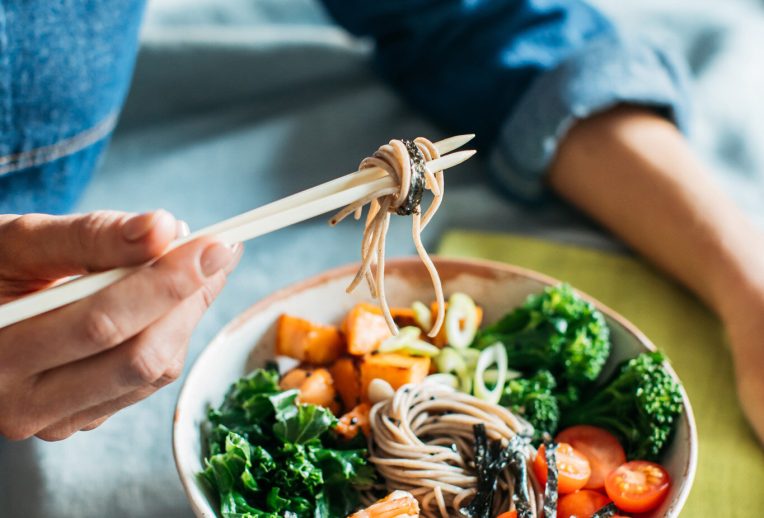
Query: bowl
x=248 y=342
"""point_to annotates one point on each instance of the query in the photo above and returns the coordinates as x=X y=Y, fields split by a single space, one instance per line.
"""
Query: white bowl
x=248 y=341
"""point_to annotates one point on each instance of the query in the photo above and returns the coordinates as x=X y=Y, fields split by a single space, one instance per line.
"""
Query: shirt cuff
x=607 y=71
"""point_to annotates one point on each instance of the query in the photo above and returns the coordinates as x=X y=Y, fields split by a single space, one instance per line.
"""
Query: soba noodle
x=405 y=162
x=422 y=442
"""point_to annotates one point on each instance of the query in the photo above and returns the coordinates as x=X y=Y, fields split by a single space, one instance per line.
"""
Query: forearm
x=634 y=173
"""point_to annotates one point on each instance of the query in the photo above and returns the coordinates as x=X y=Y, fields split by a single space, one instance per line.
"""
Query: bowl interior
x=248 y=341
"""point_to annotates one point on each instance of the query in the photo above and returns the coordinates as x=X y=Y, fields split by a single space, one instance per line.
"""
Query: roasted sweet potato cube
x=396 y=369
x=365 y=328
x=307 y=341
x=347 y=381
x=315 y=385
x=356 y=419
x=404 y=317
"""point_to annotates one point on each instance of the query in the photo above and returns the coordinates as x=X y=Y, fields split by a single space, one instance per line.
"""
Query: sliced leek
x=461 y=321
x=491 y=376
x=493 y=355
x=407 y=341
x=441 y=378
x=449 y=360
x=405 y=335
x=470 y=357
x=422 y=315
x=420 y=348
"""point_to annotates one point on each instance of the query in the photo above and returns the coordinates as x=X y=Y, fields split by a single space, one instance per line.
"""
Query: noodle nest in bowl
x=422 y=442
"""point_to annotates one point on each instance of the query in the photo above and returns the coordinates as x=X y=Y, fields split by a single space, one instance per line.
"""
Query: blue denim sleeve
x=65 y=68
x=517 y=73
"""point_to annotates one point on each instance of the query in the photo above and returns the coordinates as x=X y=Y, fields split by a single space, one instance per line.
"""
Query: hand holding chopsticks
x=273 y=216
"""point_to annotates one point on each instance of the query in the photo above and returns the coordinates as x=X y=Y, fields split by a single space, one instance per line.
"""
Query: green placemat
x=730 y=476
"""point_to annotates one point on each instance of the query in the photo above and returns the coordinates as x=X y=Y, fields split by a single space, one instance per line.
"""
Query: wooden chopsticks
x=287 y=211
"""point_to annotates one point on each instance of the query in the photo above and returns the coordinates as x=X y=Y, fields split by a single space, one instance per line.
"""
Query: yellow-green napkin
x=730 y=476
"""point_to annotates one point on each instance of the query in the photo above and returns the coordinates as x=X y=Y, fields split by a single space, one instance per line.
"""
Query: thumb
x=43 y=247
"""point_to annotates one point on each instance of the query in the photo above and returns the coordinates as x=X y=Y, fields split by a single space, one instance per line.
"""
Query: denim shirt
x=516 y=72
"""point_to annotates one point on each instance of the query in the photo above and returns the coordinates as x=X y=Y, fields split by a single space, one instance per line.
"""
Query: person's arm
x=541 y=82
x=635 y=173
x=517 y=73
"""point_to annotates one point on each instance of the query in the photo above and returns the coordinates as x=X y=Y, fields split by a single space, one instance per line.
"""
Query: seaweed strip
x=490 y=460
x=606 y=512
x=550 y=491
x=519 y=468
x=417 y=182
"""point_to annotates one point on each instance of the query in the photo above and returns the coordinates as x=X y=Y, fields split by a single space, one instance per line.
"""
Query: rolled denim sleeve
x=606 y=71
x=518 y=73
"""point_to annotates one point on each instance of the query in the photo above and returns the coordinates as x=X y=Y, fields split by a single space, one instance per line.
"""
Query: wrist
x=738 y=288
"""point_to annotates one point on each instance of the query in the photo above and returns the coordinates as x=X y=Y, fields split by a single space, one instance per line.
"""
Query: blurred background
x=238 y=102
x=722 y=42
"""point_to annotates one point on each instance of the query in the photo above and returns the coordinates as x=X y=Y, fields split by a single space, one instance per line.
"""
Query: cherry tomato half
x=638 y=486
x=581 y=504
x=572 y=468
x=508 y=514
x=599 y=446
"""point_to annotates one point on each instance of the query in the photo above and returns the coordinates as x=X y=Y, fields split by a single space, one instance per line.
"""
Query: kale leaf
x=269 y=456
x=302 y=423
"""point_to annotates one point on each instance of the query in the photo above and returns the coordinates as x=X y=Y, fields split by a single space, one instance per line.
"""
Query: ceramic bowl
x=248 y=341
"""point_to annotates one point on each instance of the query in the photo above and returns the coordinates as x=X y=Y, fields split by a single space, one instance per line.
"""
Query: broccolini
x=556 y=330
x=640 y=405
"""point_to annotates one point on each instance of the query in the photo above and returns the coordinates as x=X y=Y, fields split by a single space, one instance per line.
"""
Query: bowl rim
x=402 y=262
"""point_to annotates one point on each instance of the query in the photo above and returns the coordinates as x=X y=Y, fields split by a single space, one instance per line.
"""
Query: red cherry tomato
x=572 y=468
x=581 y=504
x=638 y=486
x=508 y=514
x=599 y=446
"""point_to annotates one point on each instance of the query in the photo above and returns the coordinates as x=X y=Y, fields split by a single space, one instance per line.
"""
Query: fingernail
x=238 y=250
x=214 y=258
x=182 y=229
x=139 y=226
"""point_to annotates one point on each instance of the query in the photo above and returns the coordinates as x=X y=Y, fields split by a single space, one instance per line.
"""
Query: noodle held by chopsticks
x=404 y=161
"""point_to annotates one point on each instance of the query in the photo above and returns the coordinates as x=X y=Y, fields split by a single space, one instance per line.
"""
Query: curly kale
x=268 y=456
x=556 y=330
x=640 y=405
x=533 y=399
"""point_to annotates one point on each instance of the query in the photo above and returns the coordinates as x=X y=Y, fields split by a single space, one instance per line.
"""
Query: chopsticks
x=287 y=211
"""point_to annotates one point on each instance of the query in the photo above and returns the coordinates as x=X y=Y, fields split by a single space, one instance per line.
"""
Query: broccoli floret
x=556 y=330
x=533 y=399
x=640 y=405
